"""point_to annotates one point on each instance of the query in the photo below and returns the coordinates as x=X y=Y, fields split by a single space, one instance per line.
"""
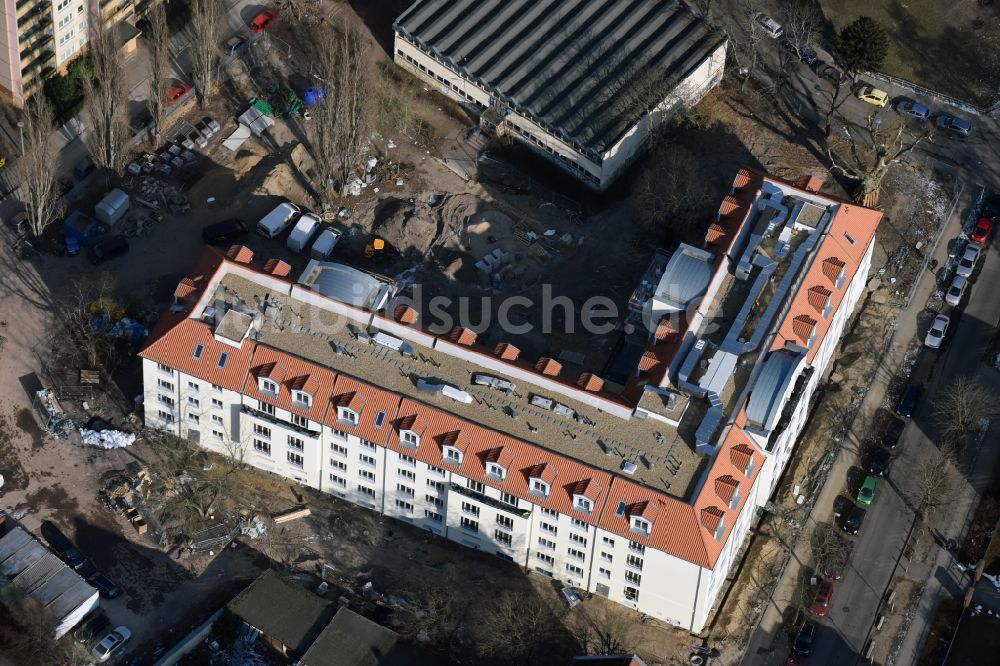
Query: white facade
x=597 y=171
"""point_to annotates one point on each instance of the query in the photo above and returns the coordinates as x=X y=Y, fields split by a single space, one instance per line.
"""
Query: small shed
x=112 y=207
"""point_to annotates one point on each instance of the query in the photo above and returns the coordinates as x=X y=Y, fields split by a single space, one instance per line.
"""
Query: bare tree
x=352 y=90
x=106 y=100
x=800 y=22
x=36 y=168
x=325 y=67
x=81 y=344
x=830 y=550
x=518 y=629
x=439 y=616
x=605 y=629
x=206 y=29
x=962 y=410
x=671 y=193
x=744 y=50
x=159 y=68
x=869 y=153
x=27 y=633
x=934 y=480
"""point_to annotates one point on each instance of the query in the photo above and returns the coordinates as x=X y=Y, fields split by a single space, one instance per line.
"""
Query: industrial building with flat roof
x=586 y=83
x=642 y=492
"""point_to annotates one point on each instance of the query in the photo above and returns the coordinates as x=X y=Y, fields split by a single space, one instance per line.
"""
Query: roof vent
x=455 y=394
x=241 y=254
x=549 y=367
x=277 y=268
x=507 y=352
x=629 y=467
x=463 y=336
x=590 y=382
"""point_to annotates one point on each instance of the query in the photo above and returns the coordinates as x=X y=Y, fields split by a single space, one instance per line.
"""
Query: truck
x=278 y=219
x=112 y=207
x=303 y=231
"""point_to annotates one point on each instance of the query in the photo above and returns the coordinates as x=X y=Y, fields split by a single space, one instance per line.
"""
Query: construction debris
x=287 y=516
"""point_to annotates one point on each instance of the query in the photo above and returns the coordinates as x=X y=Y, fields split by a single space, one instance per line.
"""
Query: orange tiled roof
x=819 y=296
x=404 y=314
x=185 y=288
x=725 y=487
x=462 y=336
x=277 y=268
x=240 y=254
x=376 y=401
x=284 y=369
x=548 y=366
x=176 y=348
x=507 y=352
x=590 y=382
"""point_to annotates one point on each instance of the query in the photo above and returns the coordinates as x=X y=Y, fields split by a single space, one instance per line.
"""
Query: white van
x=303 y=231
x=277 y=220
x=324 y=244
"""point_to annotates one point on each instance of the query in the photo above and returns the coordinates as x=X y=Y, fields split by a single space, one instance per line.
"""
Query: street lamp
x=20 y=130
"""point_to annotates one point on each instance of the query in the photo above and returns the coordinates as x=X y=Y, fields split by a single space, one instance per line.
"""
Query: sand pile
x=281 y=182
x=407 y=227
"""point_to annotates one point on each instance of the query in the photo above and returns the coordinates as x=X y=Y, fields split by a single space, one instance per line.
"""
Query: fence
x=941 y=97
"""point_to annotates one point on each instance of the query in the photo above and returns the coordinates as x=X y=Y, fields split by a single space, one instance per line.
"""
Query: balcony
x=256 y=413
x=489 y=501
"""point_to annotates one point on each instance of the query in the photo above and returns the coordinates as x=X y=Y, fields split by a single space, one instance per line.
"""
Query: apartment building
x=585 y=84
x=643 y=493
x=39 y=38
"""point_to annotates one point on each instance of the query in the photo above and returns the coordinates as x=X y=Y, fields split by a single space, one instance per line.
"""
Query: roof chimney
x=507 y=352
x=241 y=254
x=809 y=183
x=588 y=381
x=548 y=366
x=463 y=336
x=277 y=268
x=404 y=314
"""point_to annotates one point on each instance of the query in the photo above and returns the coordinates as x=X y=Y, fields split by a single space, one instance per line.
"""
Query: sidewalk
x=768 y=644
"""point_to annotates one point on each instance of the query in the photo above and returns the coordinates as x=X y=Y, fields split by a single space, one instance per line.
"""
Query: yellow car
x=872 y=95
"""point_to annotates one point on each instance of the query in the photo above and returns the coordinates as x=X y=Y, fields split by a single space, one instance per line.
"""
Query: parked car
x=982 y=231
x=866 y=494
x=970 y=257
x=105 y=587
x=913 y=109
x=263 y=19
x=935 y=336
x=954 y=124
x=771 y=27
x=956 y=290
x=879 y=465
x=809 y=57
x=109 y=248
x=323 y=246
x=908 y=402
x=176 y=91
x=305 y=228
x=829 y=72
x=278 y=219
x=854 y=520
x=872 y=95
x=893 y=431
x=226 y=231
x=91 y=626
x=111 y=643
x=571 y=597
x=821 y=602
x=234 y=46
x=63 y=547
x=803 y=644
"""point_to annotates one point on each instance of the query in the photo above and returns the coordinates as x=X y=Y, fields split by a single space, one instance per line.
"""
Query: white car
x=771 y=27
x=935 y=336
x=111 y=643
x=956 y=290
x=968 y=261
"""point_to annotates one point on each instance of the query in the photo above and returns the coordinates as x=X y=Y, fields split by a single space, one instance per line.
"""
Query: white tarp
x=107 y=439
x=237 y=138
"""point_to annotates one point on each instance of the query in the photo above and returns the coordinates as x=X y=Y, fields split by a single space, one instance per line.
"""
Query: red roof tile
x=456 y=439
x=543 y=471
x=833 y=268
x=186 y=287
x=240 y=254
x=404 y=314
x=711 y=516
x=462 y=336
x=819 y=297
x=352 y=400
x=507 y=352
x=725 y=487
x=741 y=455
x=277 y=268
x=585 y=487
x=744 y=177
x=176 y=349
x=804 y=327
x=283 y=369
x=548 y=366
x=376 y=401
x=590 y=382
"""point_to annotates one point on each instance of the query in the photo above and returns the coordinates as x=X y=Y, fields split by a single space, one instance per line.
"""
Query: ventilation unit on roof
x=493 y=382
x=620 y=511
x=629 y=467
x=450 y=391
x=541 y=401
x=563 y=410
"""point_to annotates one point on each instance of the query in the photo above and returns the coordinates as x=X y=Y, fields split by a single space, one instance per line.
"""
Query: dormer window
x=539 y=487
x=347 y=416
x=268 y=386
x=452 y=455
x=301 y=398
x=748 y=472
x=640 y=525
x=581 y=503
x=409 y=438
x=495 y=471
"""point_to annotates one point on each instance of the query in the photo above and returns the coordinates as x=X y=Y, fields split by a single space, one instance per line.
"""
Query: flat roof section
x=569 y=65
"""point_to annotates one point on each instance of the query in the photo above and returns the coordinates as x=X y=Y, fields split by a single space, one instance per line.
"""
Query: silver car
x=913 y=109
x=967 y=263
x=956 y=290
x=111 y=643
x=935 y=336
x=953 y=124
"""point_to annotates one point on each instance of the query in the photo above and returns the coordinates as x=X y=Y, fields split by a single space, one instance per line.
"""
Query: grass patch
x=950 y=47
x=977 y=640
